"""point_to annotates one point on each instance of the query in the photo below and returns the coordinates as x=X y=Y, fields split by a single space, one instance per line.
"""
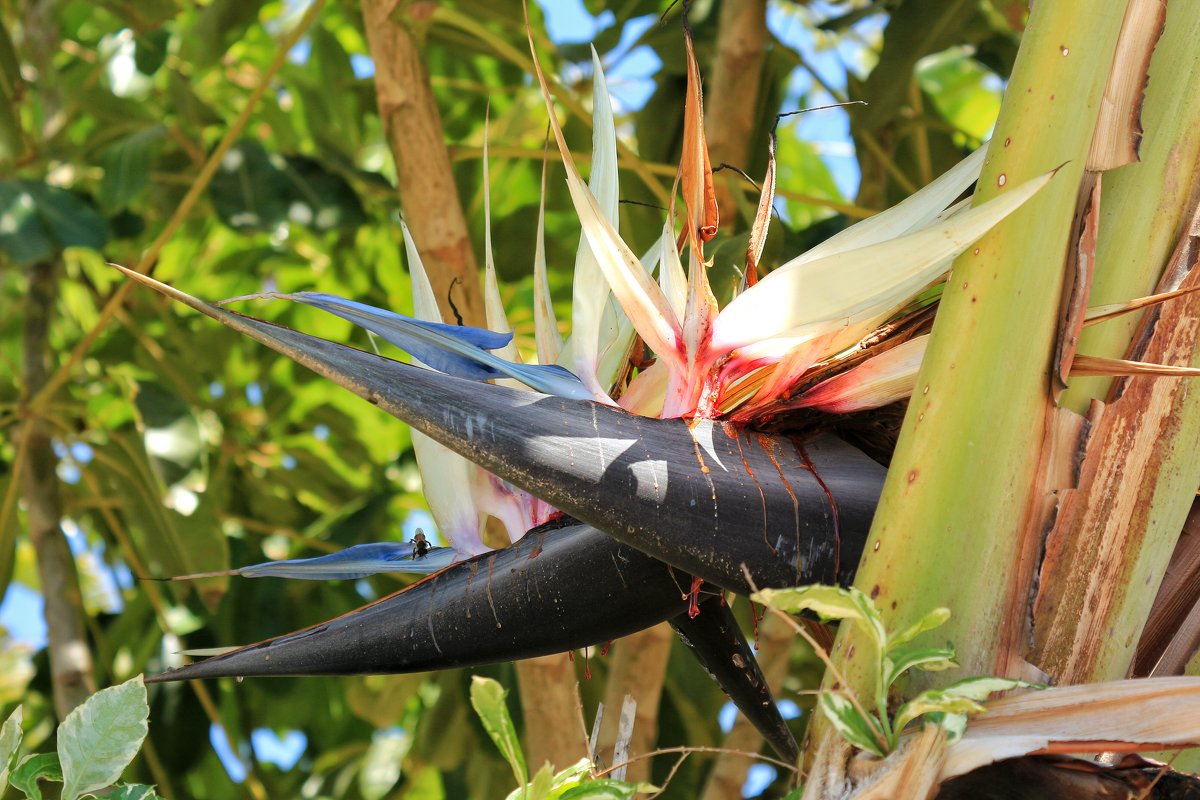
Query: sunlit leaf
x=99 y=738
x=10 y=741
x=34 y=768
x=487 y=698
x=849 y=723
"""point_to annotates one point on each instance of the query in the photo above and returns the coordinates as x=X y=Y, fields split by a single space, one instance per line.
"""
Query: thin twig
x=690 y=750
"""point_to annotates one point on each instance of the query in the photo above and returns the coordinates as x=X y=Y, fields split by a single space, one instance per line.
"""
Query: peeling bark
x=423 y=176
x=1115 y=533
x=70 y=657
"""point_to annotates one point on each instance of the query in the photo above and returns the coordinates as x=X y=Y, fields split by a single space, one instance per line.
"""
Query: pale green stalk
x=963 y=475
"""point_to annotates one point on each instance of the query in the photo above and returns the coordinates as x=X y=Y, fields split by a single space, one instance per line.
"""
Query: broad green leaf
x=249 y=192
x=934 y=619
x=602 y=789
x=934 y=701
x=69 y=219
x=849 y=723
x=538 y=788
x=487 y=698
x=572 y=775
x=829 y=603
x=10 y=741
x=168 y=542
x=31 y=769
x=805 y=299
x=132 y=791
x=23 y=237
x=126 y=164
x=99 y=738
x=980 y=688
x=319 y=199
x=902 y=659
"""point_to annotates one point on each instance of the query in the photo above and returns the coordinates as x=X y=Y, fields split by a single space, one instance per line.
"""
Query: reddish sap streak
x=768 y=446
x=604 y=650
x=833 y=507
x=571 y=656
x=694 y=598
x=746 y=464
x=587 y=667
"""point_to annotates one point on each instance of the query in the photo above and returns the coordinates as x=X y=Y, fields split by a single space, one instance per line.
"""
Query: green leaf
x=934 y=701
x=538 y=788
x=151 y=50
x=69 y=219
x=829 y=603
x=602 y=789
x=933 y=619
x=981 y=687
x=133 y=791
x=930 y=659
x=126 y=164
x=573 y=774
x=32 y=769
x=10 y=740
x=488 y=700
x=848 y=722
x=170 y=543
x=99 y=738
x=319 y=199
x=23 y=237
x=248 y=192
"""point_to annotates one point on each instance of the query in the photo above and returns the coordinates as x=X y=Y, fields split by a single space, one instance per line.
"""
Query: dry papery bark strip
x=1096 y=544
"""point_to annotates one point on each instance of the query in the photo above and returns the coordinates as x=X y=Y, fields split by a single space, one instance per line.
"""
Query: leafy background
x=180 y=447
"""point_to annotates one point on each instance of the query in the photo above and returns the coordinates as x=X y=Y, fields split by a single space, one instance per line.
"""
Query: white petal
x=913 y=212
x=545 y=323
x=637 y=292
x=883 y=379
x=839 y=290
x=671 y=276
x=590 y=289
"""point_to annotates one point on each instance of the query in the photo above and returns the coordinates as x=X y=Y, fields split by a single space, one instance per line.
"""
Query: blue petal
x=356 y=562
x=450 y=349
x=457 y=350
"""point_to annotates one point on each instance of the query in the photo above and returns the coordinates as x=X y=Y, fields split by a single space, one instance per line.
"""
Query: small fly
x=420 y=545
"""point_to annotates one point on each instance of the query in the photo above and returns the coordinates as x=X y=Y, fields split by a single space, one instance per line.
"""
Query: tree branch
x=70 y=658
x=423 y=176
